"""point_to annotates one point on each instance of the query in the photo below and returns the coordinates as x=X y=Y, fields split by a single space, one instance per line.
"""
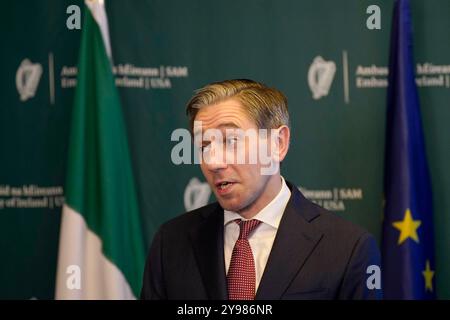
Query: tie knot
x=246 y=227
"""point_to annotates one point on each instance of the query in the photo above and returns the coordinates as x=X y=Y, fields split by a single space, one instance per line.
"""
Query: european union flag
x=408 y=249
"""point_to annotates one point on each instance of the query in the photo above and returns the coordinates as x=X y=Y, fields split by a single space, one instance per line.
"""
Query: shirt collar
x=270 y=214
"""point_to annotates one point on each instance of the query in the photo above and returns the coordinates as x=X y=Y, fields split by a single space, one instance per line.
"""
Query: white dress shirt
x=261 y=239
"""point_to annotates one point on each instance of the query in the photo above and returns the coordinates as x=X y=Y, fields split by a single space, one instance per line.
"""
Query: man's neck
x=271 y=190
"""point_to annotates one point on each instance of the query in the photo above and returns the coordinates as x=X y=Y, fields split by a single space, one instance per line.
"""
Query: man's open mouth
x=223 y=185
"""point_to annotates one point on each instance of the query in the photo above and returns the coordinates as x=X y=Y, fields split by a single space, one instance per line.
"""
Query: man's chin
x=229 y=206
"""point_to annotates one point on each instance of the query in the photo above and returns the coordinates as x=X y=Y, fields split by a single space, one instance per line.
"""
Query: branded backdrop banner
x=327 y=56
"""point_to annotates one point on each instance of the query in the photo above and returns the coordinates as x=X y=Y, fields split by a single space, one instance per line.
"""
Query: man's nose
x=216 y=160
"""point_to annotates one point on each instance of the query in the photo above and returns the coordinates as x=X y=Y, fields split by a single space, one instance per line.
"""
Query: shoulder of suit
x=331 y=223
x=191 y=218
x=322 y=218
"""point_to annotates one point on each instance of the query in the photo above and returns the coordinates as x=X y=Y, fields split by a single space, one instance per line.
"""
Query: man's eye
x=205 y=148
x=232 y=141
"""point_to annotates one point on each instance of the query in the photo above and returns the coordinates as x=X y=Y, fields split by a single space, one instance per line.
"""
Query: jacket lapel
x=207 y=241
x=295 y=241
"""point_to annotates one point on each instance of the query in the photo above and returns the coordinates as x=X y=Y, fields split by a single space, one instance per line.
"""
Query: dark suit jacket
x=315 y=255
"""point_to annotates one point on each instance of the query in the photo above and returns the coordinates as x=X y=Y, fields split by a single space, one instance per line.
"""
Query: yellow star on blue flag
x=408 y=228
x=428 y=274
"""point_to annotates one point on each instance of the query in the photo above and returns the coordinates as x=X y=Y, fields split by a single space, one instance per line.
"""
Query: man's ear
x=283 y=139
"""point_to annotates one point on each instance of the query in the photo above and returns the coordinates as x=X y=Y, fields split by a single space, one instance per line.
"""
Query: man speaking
x=262 y=239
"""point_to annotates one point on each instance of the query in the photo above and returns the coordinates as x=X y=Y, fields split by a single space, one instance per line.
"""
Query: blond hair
x=266 y=106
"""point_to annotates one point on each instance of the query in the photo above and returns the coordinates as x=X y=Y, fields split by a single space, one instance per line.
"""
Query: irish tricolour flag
x=101 y=252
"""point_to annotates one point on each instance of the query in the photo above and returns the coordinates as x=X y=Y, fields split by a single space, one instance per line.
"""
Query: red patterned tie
x=241 y=277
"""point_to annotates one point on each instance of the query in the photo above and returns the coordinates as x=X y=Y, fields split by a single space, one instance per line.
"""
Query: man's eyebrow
x=229 y=125
x=220 y=127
